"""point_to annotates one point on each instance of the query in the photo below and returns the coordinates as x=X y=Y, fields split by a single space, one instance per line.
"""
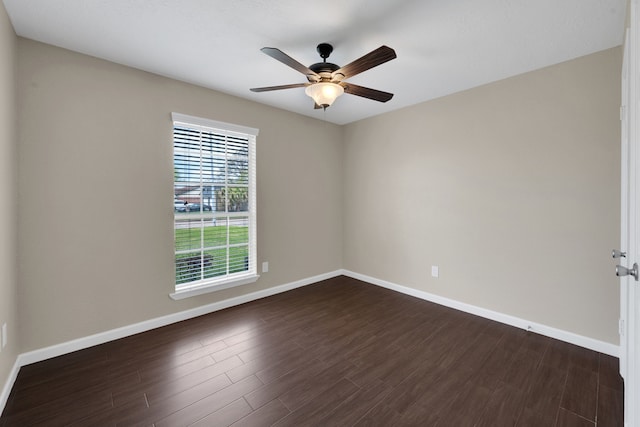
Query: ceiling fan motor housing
x=324 y=69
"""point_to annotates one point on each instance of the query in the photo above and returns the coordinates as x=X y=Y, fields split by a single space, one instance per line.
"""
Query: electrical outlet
x=265 y=267
x=4 y=335
x=435 y=271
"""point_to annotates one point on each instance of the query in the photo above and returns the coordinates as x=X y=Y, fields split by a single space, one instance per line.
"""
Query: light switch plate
x=4 y=335
x=435 y=271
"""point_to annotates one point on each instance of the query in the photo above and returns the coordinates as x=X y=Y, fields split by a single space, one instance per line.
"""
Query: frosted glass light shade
x=324 y=93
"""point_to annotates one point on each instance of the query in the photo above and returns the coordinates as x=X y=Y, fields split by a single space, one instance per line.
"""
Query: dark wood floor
x=337 y=353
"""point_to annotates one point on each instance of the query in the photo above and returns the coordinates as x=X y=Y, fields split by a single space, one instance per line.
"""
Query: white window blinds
x=214 y=202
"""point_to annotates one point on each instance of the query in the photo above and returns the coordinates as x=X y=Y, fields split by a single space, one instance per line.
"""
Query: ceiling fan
x=326 y=80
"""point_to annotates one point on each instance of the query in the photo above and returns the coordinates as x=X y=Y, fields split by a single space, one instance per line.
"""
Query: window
x=214 y=205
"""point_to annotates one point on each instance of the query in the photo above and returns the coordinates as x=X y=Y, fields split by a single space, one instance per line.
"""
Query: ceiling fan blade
x=365 y=92
x=279 y=55
x=268 y=88
x=370 y=60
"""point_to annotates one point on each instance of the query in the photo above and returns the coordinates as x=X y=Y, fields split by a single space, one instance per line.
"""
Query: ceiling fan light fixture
x=324 y=93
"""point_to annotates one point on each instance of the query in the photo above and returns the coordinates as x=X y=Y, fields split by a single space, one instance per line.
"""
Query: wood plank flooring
x=337 y=353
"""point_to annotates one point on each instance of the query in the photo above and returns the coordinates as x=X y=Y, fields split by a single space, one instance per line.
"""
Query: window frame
x=228 y=280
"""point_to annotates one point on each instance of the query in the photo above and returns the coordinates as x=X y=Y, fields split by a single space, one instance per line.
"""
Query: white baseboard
x=582 y=341
x=147 y=325
x=8 y=385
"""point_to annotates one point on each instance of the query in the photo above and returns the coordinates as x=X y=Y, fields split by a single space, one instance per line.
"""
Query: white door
x=624 y=206
x=630 y=223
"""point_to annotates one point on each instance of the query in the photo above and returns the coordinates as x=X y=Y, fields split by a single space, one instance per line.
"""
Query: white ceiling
x=443 y=46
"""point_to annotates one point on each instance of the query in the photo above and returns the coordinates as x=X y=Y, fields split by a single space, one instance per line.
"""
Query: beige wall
x=95 y=194
x=8 y=195
x=512 y=189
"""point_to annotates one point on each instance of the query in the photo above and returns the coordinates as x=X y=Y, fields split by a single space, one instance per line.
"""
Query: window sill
x=213 y=287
